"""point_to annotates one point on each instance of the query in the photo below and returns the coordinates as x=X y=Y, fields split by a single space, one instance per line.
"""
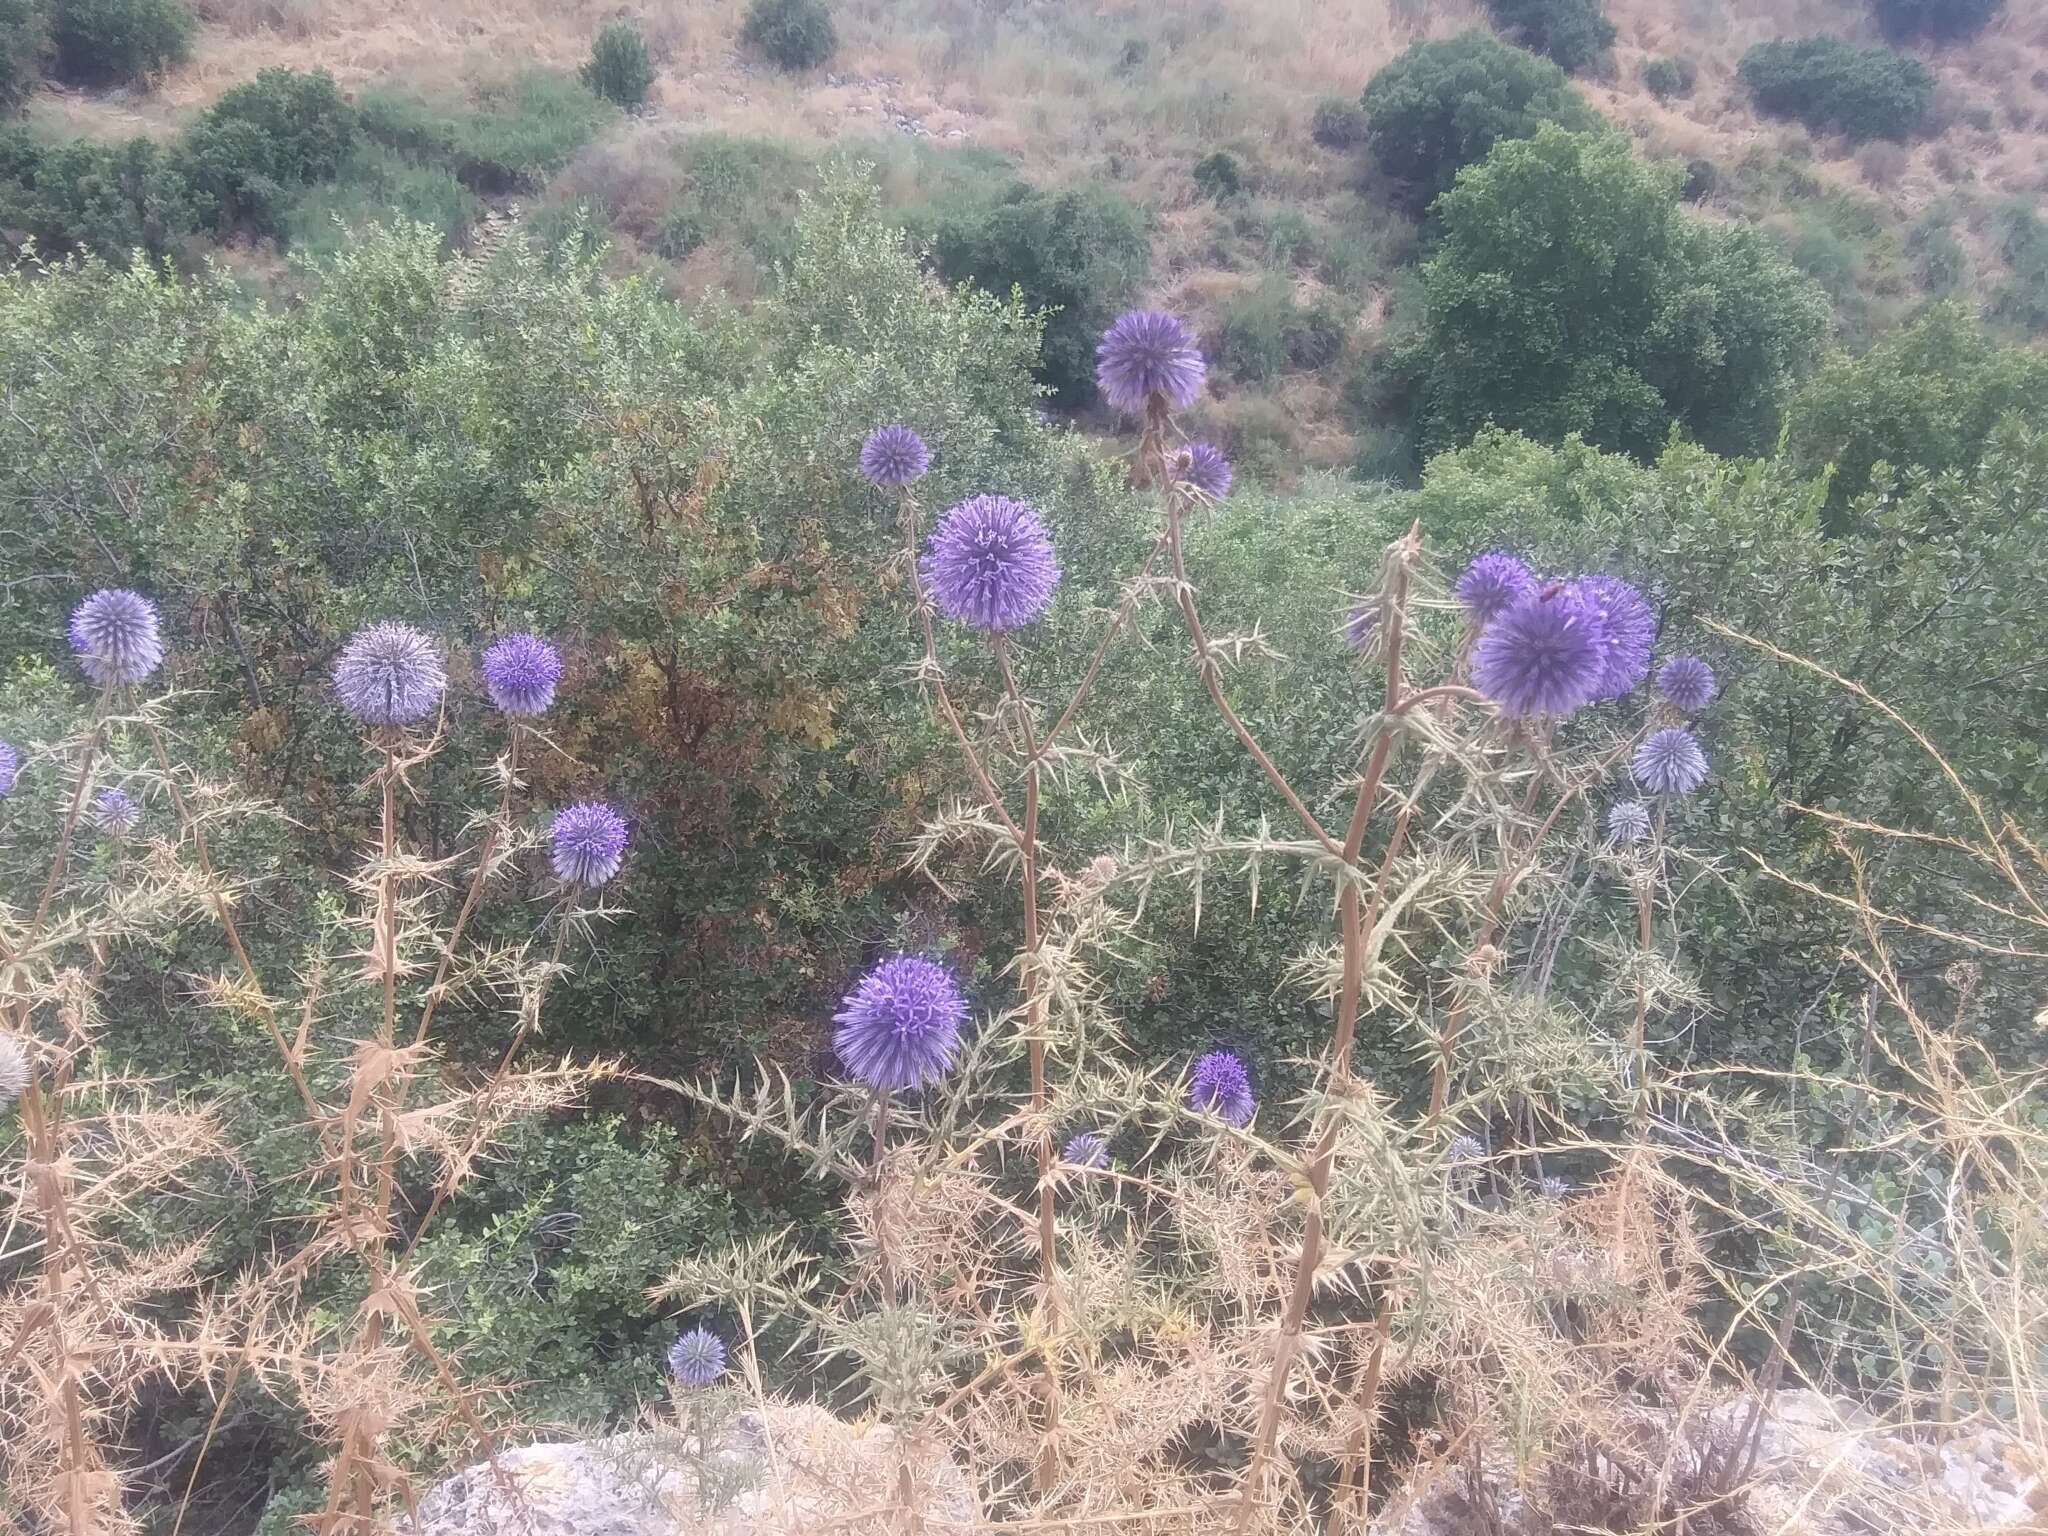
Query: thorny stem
x=474 y=896
x=78 y=794
x=1646 y=893
x=1354 y=1483
x=1125 y=610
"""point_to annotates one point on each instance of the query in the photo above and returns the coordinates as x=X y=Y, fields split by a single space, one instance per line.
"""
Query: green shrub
x=1837 y=87
x=24 y=45
x=1338 y=123
x=619 y=69
x=1702 y=178
x=1265 y=332
x=1940 y=263
x=517 y=135
x=1672 y=75
x=2022 y=300
x=105 y=41
x=1573 y=34
x=793 y=34
x=378 y=185
x=1940 y=20
x=113 y=199
x=250 y=153
x=1218 y=176
x=1081 y=252
x=1442 y=105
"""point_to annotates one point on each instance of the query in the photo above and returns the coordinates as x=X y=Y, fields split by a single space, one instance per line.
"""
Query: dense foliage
x=1575 y=34
x=794 y=34
x=1943 y=21
x=24 y=45
x=1837 y=87
x=619 y=69
x=1443 y=105
x=102 y=41
x=261 y=143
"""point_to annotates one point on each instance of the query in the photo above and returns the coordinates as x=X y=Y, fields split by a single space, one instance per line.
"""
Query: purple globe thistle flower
x=900 y=1027
x=1670 y=762
x=697 y=1358
x=1147 y=353
x=10 y=769
x=520 y=673
x=1687 y=682
x=990 y=563
x=1545 y=655
x=115 y=812
x=389 y=674
x=1493 y=583
x=1464 y=1148
x=14 y=1068
x=1090 y=1149
x=893 y=455
x=1631 y=627
x=117 y=636
x=1220 y=1083
x=1362 y=623
x=1628 y=821
x=587 y=843
x=1208 y=471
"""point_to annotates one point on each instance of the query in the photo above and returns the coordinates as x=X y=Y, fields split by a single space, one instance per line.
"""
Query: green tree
x=1837 y=87
x=253 y=150
x=24 y=44
x=109 y=41
x=1575 y=34
x=794 y=34
x=619 y=69
x=1443 y=105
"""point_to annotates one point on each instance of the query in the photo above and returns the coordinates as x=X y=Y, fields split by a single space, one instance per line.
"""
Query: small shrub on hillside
x=1443 y=105
x=112 y=199
x=102 y=42
x=24 y=44
x=1574 y=34
x=1672 y=75
x=619 y=68
x=1836 y=87
x=2023 y=241
x=1265 y=332
x=250 y=154
x=1338 y=123
x=1940 y=263
x=1702 y=178
x=794 y=34
x=1219 y=176
x=518 y=133
x=1940 y=20
x=377 y=184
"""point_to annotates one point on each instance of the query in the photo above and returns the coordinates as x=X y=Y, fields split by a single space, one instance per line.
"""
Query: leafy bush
x=1569 y=295
x=619 y=69
x=1338 y=123
x=1266 y=331
x=794 y=34
x=1671 y=75
x=1573 y=34
x=24 y=45
x=1082 y=253
x=1837 y=87
x=516 y=134
x=378 y=184
x=113 y=199
x=1943 y=21
x=1218 y=176
x=253 y=150
x=103 y=41
x=1441 y=106
x=2022 y=299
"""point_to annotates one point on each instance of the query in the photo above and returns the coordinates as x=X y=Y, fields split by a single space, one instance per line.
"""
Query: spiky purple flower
x=1545 y=655
x=1362 y=623
x=1670 y=762
x=893 y=455
x=115 y=812
x=587 y=843
x=1090 y=1149
x=520 y=674
x=990 y=563
x=900 y=1027
x=1146 y=353
x=389 y=674
x=1221 y=1084
x=1464 y=1148
x=1208 y=471
x=10 y=769
x=697 y=1358
x=117 y=636
x=1493 y=583
x=1631 y=628
x=1628 y=821
x=1687 y=682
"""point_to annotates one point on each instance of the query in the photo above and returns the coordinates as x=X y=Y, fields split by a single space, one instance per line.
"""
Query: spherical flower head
x=1631 y=628
x=1362 y=624
x=10 y=769
x=1208 y=471
x=1545 y=655
x=893 y=455
x=14 y=1068
x=1670 y=762
x=990 y=563
x=118 y=636
x=1628 y=821
x=697 y=1358
x=1149 y=353
x=1090 y=1149
x=520 y=673
x=389 y=674
x=900 y=1027
x=1464 y=1148
x=1221 y=1084
x=114 y=812
x=587 y=843
x=1493 y=583
x=1687 y=683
